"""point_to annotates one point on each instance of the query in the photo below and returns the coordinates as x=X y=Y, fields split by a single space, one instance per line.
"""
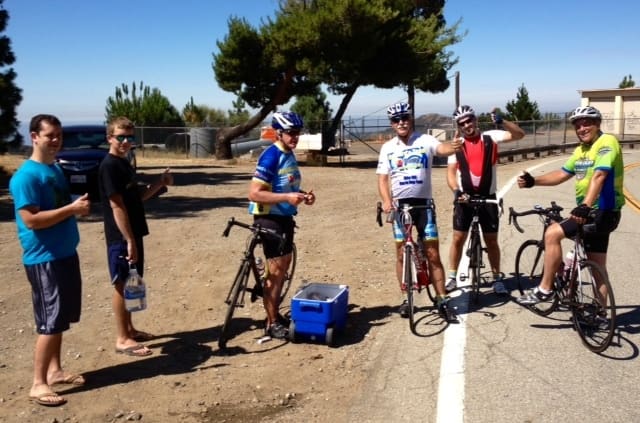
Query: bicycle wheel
x=409 y=282
x=593 y=307
x=474 y=267
x=529 y=269
x=239 y=284
x=286 y=283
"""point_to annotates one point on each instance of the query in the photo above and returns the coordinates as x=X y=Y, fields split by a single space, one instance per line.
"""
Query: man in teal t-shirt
x=48 y=234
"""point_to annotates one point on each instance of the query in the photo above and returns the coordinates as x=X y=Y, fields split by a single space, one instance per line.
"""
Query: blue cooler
x=317 y=311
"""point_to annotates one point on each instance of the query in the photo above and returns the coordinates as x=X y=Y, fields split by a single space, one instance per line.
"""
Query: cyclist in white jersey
x=404 y=176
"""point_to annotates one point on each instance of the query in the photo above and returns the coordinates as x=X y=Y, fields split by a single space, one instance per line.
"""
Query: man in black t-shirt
x=124 y=226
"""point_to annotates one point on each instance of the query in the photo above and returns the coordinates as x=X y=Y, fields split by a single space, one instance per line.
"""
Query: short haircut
x=119 y=122
x=36 y=122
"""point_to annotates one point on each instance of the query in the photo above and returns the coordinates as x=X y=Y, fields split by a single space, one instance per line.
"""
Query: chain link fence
x=370 y=133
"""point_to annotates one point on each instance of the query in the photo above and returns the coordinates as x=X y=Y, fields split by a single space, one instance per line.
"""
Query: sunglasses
x=123 y=138
x=292 y=132
x=464 y=122
x=404 y=117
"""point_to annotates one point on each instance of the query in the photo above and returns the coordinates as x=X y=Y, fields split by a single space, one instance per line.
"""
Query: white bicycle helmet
x=585 y=112
x=398 y=109
x=284 y=121
x=463 y=112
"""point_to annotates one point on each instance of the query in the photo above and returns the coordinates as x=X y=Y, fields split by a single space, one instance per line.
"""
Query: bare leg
x=455 y=251
x=46 y=357
x=493 y=251
x=552 y=255
x=124 y=326
x=436 y=270
x=273 y=286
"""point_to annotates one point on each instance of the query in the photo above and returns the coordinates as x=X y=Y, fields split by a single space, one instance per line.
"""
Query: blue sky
x=71 y=54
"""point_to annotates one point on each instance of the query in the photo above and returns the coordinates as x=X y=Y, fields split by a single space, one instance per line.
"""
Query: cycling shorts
x=424 y=220
x=282 y=225
x=596 y=233
x=488 y=216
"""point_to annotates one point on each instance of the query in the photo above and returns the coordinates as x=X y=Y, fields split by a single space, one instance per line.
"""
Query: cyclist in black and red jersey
x=472 y=171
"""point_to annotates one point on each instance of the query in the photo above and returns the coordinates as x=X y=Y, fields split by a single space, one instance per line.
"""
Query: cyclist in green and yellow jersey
x=599 y=171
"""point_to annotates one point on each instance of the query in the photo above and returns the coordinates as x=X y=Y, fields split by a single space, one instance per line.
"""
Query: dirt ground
x=189 y=268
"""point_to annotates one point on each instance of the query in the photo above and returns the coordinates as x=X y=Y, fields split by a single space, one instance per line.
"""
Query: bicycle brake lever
x=379 y=213
x=225 y=233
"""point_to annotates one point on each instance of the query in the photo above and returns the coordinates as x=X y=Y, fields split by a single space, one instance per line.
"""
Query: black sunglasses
x=292 y=132
x=464 y=122
x=399 y=118
x=123 y=138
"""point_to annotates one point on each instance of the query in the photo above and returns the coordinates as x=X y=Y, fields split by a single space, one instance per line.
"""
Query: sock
x=544 y=291
x=452 y=274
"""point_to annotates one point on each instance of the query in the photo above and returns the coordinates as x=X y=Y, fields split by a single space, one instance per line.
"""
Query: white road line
x=450 y=408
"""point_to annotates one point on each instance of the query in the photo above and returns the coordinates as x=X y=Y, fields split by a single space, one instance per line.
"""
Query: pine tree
x=522 y=109
x=10 y=94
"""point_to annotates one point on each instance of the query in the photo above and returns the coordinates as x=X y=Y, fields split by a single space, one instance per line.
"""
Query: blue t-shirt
x=278 y=170
x=43 y=186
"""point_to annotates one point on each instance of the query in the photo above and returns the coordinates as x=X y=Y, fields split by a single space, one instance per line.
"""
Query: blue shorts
x=56 y=293
x=420 y=218
x=118 y=263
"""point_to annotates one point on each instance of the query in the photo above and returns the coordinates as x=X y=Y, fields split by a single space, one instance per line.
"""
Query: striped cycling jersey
x=278 y=170
x=602 y=154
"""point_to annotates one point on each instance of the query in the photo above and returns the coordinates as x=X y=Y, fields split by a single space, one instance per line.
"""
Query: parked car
x=83 y=148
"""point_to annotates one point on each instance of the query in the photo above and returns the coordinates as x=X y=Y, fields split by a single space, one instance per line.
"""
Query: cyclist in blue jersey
x=404 y=176
x=275 y=194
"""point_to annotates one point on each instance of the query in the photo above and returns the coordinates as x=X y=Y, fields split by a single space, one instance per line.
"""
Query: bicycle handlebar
x=552 y=213
x=255 y=228
x=479 y=201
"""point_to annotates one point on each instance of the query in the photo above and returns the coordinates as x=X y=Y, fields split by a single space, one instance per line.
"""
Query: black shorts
x=596 y=233
x=283 y=225
x=117 y=259
x=488 y=216
x=56 y=293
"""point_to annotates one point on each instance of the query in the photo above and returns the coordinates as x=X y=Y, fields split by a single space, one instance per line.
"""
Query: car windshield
x=84 y=138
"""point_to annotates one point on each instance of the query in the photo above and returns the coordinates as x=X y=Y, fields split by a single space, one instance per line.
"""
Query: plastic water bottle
x=421 y=266
x=135 y=291
x=568 y=264
x=261 y=268
x=431 y=231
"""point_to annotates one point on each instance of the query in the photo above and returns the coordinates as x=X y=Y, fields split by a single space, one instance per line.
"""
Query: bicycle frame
x=584 y=287
x=475 y=248
x=415 y=269
x=236 y=294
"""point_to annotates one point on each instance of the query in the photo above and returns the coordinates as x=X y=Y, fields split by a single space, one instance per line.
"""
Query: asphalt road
x=503 y=363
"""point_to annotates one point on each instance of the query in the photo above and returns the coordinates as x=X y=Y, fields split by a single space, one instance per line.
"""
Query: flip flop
x=70 y=379
x=54 y=400
x=141 y=336
x=135 y=351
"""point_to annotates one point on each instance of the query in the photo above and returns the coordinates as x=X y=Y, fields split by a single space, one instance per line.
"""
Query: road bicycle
x=475 y=248
x=529 y=257
x=583 y=287
x=236 y=295
x=415 y=274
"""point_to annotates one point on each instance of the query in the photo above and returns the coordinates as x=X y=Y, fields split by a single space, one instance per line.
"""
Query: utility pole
x=457 y=87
